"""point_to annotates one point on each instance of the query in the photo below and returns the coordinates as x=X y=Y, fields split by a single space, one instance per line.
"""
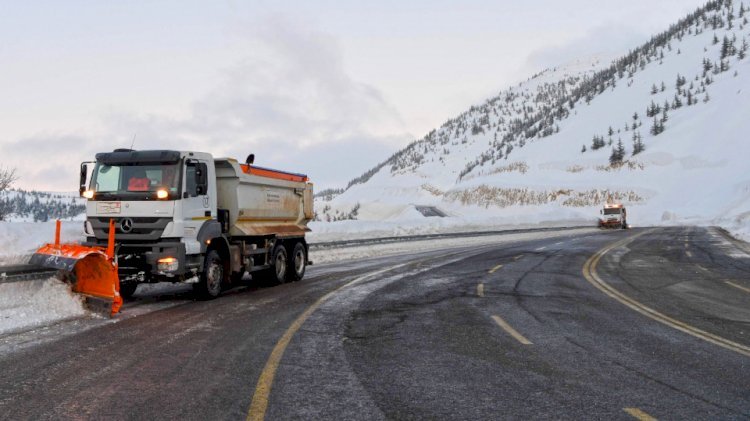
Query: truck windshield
x=134 y=181
x=612 y=211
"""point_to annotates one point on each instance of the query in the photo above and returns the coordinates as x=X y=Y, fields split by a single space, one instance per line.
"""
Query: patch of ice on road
x=29 y=304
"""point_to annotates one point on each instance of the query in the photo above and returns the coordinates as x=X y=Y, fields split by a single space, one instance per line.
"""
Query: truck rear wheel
x=280 y=265
x=297 y=263
x=212 y=277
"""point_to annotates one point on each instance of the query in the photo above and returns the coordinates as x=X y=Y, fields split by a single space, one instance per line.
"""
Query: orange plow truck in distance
x=92 y=271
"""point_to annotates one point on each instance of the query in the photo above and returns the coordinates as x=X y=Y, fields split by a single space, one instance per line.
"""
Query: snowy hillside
x=663 y=130
x=35 y=206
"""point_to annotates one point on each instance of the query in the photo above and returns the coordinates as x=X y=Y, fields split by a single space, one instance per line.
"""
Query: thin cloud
x=289 y=99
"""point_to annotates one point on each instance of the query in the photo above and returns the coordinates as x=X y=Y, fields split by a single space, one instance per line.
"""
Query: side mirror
x=83 y=179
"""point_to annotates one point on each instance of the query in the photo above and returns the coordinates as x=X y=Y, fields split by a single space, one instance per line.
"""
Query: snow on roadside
x=18 y=240
x=29 y=304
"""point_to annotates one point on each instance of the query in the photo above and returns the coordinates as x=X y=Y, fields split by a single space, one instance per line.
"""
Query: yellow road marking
x=493 y=270
x=518 y=257
x=638 y=414
x=508 y=328
x=738 y=286
x=259 y=405
x=589 y=272
x=480 y=290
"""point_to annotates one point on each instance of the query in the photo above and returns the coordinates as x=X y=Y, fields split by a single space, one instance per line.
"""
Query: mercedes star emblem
x=126 y=225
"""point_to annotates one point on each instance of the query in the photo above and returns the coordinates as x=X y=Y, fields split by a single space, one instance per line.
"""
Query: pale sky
x=327 y=88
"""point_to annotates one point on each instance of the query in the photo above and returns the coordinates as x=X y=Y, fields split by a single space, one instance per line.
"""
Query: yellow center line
x=480 y=290
x=638 y=414
x=493 y=270
x=740 y=287
x=508 y=328
x=259 y=404
x=591 y=275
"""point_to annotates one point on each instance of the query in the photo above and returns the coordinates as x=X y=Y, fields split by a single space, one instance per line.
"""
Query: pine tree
x=638 y=145
x=726 y=48
x=677 y=101
x=657 y=127
x=654 y=89
x=743 y=50
x=618 y=154
x=664 y=118
x=583 y=149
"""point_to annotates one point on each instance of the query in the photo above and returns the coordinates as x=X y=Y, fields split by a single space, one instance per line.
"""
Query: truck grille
x=141 y=229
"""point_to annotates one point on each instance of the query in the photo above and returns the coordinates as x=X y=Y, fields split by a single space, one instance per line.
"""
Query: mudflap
x=92 y=271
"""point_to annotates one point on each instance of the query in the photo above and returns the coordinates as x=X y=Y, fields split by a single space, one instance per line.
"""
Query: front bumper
x=139 y=261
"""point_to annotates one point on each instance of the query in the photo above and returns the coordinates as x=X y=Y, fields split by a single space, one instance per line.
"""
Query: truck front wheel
x=297 y=263
x=209 y=286
x=127 y=289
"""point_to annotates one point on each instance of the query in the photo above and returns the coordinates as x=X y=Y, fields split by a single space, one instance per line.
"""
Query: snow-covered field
x=18 y=240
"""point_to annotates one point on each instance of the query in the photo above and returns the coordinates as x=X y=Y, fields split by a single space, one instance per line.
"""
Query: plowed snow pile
x=28 y=304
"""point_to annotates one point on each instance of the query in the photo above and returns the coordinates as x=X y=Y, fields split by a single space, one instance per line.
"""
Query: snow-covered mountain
x=663 y=130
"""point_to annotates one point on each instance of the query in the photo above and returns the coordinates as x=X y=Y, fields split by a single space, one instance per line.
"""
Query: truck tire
x=297 y=263
x=212 y=277
x=280 y=265
x=127 y=289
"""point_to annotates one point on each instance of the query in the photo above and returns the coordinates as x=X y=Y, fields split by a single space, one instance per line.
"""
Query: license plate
x=108 y=208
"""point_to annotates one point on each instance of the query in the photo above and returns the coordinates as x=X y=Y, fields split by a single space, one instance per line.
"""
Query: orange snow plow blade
x=91 y=270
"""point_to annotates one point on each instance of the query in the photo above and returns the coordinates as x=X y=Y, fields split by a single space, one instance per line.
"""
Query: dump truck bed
x=263 y=201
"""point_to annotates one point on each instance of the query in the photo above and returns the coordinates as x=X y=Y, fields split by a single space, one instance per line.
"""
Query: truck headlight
x=88 y=194
x=162 y=194
x=167 y=264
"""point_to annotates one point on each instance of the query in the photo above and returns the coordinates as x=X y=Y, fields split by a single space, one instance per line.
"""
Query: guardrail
x=24 y=272
x=397 y=239
x=27 y=272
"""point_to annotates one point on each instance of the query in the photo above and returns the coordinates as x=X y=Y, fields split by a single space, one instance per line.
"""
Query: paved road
x=606 y=325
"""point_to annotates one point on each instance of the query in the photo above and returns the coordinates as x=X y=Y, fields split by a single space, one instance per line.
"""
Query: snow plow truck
x=180 y=216
x=613 y=216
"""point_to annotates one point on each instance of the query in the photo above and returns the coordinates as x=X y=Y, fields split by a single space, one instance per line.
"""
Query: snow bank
x=29 y=304
x=18 y=240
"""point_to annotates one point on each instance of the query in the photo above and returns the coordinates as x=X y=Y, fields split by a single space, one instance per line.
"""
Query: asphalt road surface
x=606 y=325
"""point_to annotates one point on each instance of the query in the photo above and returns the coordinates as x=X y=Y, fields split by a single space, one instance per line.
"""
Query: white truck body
x=173 y=208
